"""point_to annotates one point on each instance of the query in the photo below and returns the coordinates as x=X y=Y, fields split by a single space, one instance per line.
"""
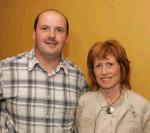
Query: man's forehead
x=52 y=13
x=51 y=16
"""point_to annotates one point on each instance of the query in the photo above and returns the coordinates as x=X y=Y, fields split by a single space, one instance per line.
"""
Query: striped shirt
x=33 y=101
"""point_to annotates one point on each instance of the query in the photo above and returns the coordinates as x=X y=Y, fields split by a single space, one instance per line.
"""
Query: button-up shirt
x=33 y=101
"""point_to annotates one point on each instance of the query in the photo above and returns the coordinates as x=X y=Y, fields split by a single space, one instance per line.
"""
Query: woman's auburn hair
x=102 y=50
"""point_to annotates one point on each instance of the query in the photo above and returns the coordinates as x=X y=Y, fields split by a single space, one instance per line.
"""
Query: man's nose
x=51 y=33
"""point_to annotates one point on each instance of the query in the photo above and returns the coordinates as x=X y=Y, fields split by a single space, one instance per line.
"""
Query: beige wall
x=90 y=21
x=16 y=22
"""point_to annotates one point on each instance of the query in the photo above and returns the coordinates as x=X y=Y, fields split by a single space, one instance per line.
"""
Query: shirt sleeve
x=0 y=83
x=0 y=98
x=77 y=116
x=83 y=84
x=146 y=119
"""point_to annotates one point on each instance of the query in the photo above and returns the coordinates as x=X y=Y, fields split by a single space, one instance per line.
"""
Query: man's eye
x=60 y=29
x=44 y=28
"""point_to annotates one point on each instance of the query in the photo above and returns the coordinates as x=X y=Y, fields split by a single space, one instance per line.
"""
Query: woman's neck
x=112 y=95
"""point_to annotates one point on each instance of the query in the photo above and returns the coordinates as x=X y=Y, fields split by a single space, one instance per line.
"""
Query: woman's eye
x=109 y=64
x=98 y=66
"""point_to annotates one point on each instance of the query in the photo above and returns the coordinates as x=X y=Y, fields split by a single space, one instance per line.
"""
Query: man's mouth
x=49 y=42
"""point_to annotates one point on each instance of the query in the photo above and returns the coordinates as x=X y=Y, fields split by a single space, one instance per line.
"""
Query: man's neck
x=48 y=63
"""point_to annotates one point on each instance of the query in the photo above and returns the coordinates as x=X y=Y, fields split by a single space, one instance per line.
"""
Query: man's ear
x=67 y=40
x=33 y=35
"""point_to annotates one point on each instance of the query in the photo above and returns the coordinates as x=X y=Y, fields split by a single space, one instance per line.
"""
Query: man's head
x=50 y=34
x=37 y=18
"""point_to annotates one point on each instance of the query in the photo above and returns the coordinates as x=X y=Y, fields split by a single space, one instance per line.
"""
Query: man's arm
x=0 y=99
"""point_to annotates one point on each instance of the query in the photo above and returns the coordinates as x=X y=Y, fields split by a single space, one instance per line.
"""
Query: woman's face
x=107 y=72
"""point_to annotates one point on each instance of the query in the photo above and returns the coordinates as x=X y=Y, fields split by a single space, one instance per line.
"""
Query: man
x=39 y=89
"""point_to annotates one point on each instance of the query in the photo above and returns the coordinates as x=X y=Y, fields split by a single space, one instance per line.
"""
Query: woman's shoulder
x=88 y=96
x=137 y=99
x=136 y=96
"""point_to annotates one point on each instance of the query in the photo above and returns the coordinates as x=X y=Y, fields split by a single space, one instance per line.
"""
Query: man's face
x=50 y=35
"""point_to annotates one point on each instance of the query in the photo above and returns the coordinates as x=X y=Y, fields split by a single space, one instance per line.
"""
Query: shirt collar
x=33 y=61
x=63 y=65
x=103 y=102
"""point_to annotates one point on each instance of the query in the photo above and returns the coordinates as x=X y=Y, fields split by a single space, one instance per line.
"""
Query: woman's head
x=101 y=50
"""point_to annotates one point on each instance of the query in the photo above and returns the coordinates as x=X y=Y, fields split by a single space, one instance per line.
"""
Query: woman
x=111 y=107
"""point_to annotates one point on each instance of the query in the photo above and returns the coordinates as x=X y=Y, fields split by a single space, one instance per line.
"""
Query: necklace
x=109 y=108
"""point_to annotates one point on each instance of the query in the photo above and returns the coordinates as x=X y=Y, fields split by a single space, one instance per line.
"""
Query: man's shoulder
x=14 y=59
x=70 y=63
x=72 y=66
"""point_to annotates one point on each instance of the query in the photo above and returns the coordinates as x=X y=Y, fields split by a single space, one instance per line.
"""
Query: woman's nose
x=104 y=70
